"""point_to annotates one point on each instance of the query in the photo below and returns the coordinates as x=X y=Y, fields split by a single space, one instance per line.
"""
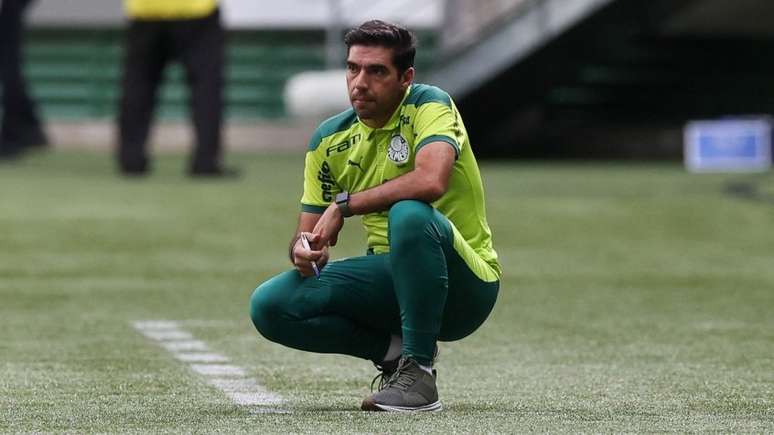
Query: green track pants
x=422 y=290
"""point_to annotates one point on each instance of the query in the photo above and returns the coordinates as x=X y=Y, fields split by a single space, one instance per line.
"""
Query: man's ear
x=407 y=78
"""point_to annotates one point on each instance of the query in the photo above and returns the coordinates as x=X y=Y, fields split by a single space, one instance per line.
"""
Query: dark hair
x=378 y=33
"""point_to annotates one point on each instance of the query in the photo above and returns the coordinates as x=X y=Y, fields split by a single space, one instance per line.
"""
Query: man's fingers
x=316 y=239
x=304 y=253
x=304 y=266
x=305 y=271
x=313 y=237
x=315 y=234
x=312 y=255
x=322 y=241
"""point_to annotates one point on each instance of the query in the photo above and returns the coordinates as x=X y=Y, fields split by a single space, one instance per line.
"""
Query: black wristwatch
x=342 y=200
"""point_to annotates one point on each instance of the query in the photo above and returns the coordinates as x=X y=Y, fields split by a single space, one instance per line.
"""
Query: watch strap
x=342 y=201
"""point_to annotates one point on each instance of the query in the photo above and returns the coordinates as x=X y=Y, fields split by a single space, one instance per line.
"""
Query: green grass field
x=635 y=299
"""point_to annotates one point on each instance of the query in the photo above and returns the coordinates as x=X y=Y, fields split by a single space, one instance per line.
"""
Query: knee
x=408 y=215
x=266 y=307
x=410 y=220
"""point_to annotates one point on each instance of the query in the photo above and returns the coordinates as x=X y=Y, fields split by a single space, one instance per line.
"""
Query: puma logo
x=356 y=164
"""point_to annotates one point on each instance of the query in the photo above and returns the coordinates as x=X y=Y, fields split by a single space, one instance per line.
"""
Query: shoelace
x=383 y=379
x=383 y=376
x=403 y=378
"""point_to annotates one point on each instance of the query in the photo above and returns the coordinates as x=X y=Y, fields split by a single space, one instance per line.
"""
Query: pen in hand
x=305 y=244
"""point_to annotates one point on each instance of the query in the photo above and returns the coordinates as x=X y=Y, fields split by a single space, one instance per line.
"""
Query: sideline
x=230 y=379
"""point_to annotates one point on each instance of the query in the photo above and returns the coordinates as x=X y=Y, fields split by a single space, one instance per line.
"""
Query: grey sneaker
x=409 y=389
x=387 y=369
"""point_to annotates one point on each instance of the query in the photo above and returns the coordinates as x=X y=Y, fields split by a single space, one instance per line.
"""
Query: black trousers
x=150 y=45
x=20 y=124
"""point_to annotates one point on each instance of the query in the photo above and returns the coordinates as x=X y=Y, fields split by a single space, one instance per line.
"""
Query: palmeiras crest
x=398 y=151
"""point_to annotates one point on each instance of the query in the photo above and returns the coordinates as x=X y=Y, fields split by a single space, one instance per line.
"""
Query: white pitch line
x=156 y=324
x=185 y=346
x=167 y=335
x=231 y=385
x=245 y=390
x=200 y=357
x=218 y=370
x=230 y=379
x=254 y=399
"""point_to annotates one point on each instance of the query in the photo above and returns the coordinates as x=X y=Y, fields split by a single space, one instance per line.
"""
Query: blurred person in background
x=161 y=31
x=400 y=158
x=20 y=128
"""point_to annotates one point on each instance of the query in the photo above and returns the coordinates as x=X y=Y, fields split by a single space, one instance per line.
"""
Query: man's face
x=374 y=85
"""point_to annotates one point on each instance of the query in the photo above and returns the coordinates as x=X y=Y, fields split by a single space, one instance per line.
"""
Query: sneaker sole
x=432 y=407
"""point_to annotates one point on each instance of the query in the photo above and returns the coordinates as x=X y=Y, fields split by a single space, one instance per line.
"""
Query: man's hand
x=303 y=258
x=328 y=227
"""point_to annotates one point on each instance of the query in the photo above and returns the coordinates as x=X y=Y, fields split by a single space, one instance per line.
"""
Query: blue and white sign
x=728 y=145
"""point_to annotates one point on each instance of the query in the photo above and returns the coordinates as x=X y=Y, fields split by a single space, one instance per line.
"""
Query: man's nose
x=360 y=81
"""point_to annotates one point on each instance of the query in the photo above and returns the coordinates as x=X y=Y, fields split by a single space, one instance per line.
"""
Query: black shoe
x=411 y=388
x=133 y=170
x=33 y=137
x=10 y=151
x=214 y=172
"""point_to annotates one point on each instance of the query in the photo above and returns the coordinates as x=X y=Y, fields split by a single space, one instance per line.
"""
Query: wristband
x=342 y=201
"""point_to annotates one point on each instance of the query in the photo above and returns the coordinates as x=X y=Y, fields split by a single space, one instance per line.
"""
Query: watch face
x=398 y=151
x=342 y=197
